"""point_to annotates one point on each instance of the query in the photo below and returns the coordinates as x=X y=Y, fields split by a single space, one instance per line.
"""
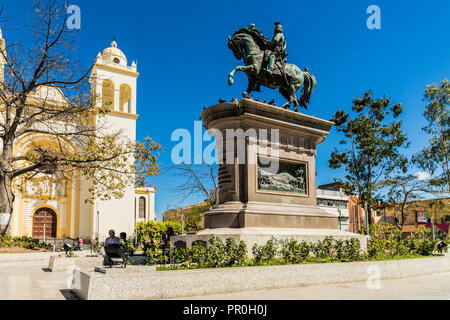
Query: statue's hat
x=278 y=26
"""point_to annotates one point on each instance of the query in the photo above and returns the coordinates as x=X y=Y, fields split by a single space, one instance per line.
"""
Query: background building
x=336 y=203
x=331 y=198
x=419 y=213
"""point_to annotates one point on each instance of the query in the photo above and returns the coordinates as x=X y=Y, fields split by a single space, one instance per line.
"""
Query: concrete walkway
x=430 y=287
x=29 y=280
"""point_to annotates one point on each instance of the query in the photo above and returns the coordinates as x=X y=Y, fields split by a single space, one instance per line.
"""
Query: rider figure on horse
x=277 y=48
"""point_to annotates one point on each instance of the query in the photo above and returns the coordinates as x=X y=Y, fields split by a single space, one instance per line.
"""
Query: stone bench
x=64 y=263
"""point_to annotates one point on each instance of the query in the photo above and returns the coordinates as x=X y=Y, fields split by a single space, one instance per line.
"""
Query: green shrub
x=215 y=253
x=266 y=252
x=385 y=244
x=420 y=242
x=198 y=253
x=236 y=254
x=384 y=240
x=154 y=253
x=179 y=255
x=150 y=233
x=24 y=242
x=293 y=251
x=323 y=248
x=351 y=250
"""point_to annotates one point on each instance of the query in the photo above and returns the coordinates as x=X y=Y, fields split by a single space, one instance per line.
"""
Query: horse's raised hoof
x=286 y=106
x=295 y=109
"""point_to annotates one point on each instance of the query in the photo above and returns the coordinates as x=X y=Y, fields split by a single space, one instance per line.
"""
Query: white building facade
x=336 y=203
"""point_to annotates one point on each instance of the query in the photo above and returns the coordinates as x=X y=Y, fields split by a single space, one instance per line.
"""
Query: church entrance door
x=44 y=217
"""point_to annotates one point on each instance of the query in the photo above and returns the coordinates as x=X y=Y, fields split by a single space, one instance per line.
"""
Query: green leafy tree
x=192 y=216
x=434 y=158
x=370 y=147
x=146 y=160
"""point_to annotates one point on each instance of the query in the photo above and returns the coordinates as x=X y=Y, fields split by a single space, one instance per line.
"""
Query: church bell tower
x=114 y=84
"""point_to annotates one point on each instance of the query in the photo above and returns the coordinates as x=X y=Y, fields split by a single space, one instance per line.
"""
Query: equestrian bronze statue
x=265 y=64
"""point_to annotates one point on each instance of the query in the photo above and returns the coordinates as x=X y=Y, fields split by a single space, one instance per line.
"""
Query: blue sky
x=182 y=54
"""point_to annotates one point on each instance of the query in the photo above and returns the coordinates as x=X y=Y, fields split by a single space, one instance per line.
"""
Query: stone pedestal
x=249 y=195
x=258 y=199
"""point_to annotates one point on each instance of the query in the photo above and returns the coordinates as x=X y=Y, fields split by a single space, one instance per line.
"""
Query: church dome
x=114 y=54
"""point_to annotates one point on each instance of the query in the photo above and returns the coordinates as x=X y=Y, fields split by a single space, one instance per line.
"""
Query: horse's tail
x=308 y=87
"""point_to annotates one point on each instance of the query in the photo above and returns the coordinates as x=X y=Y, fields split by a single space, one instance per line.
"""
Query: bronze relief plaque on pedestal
x=290 y=176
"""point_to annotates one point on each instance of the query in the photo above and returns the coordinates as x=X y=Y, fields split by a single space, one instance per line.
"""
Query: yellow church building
x=53 y=208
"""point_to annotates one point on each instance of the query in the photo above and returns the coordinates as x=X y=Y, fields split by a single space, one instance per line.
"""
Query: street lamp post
x=366 y=209
x=182 y=223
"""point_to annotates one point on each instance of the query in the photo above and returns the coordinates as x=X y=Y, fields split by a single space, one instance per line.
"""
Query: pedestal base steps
x=254 y=214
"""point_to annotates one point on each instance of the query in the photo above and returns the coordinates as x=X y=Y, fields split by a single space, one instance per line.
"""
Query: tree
x=146 y=161
x=402 y=193
x=434 y=158
x=197 y=179
x=191 y=215
x=75 y=142
x=373 y=150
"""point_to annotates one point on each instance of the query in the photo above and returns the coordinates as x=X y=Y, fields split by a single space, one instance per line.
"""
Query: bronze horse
x=251 y=46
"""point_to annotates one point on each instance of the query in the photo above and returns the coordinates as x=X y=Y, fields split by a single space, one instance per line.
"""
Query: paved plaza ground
x=430 y=287
x=29 y=280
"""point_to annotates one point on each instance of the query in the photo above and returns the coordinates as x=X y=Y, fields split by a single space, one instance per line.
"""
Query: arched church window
x=108 y=94
x=142 y=208
x=125 y=98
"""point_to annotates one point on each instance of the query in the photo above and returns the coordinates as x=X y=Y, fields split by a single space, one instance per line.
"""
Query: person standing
x=75 y=245
x=166 y=242
x=80 y=244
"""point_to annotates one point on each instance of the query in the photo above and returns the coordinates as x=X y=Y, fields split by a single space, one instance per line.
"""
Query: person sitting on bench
x=112 y=239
